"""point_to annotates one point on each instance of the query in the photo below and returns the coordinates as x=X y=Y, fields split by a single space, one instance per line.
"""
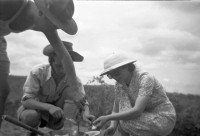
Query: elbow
x=138 y=112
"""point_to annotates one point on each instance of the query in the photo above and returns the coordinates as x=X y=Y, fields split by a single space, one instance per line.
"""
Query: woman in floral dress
x=141 y=106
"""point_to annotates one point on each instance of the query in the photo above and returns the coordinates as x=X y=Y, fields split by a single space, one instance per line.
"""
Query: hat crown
x=114 y=59
x=61 y=9
x=60 y=13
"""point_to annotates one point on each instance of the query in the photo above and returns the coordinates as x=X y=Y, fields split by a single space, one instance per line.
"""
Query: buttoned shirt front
x=41 y=86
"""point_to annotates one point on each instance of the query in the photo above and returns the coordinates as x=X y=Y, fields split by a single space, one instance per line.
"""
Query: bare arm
x=33 y=104
x=67 y=62
x=132 y=113
x=55 y=111
x=62 y=53
x=146 y=87
x=115 y=110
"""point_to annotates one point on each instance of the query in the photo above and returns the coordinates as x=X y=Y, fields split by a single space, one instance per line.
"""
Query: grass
x=101 y=99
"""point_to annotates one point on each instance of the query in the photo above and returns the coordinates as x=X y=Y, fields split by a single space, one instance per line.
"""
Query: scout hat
x=75 y=56
x=60 y=13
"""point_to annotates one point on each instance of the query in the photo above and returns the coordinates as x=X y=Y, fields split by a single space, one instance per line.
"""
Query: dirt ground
x=8 y=129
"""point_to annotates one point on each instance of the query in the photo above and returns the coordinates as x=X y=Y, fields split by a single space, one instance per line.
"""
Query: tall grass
x=101 y=97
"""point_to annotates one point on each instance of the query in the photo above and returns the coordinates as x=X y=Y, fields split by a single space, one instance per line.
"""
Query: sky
x=164 y=38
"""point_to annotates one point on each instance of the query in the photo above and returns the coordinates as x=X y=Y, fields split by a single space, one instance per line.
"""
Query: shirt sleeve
x=31 y=87
x=146 y=85
x=81 y=88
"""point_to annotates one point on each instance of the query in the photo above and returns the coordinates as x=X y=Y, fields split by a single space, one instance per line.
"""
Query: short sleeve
x=31 y=87
x=81 y=88
x=146 y=85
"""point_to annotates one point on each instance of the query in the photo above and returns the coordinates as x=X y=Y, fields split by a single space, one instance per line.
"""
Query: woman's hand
x=101 y=121
x=109 y=131
x=56 y=112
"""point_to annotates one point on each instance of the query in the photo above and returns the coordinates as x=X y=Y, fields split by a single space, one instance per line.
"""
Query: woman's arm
x=103 y=119
x=132 y=113
x=146 y=87
x=115 y=110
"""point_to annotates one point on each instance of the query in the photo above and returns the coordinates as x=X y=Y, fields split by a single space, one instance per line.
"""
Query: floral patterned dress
x=159 y=116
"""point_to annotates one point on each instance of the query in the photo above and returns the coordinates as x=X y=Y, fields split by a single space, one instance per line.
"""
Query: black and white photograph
x=99 y=68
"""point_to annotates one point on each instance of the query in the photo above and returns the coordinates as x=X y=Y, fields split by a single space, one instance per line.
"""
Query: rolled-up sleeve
x=31 y=87
x=81 y=88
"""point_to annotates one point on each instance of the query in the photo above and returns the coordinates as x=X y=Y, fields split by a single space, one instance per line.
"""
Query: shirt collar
x=49 y=72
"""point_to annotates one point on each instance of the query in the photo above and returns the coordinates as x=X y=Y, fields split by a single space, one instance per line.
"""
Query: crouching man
x=45 y=101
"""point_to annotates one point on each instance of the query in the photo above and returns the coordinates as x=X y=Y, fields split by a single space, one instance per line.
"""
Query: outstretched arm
x=67 y=62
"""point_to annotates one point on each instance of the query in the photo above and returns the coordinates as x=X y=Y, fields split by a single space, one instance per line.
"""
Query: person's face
x=57 y=65
x=120 y=74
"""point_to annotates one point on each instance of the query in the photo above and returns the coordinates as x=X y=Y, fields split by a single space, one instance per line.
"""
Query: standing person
x=45 y=16
x=4 y=72
x=46 y=96
x=141 y=106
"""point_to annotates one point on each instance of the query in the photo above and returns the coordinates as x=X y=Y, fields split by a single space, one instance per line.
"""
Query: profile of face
x=57 y=65
x=121 y=74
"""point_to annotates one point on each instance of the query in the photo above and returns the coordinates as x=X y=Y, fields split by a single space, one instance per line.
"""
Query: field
x=101 y=99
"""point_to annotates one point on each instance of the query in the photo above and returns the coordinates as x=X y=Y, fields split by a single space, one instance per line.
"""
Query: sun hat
x=75 y=56
x=114 y=61
x=60 y=13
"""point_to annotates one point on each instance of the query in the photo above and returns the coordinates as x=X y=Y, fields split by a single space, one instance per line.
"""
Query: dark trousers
x=4 y=87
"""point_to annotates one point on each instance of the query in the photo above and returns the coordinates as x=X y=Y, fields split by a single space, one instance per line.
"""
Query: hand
x=88 y=118
x=109 y=131
x=56 y=112
x=80 y=102
x=100 y=122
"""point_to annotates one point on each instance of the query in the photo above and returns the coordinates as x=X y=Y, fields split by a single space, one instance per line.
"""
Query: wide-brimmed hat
x=60 y=13
x=75 y=56
x=115 y=61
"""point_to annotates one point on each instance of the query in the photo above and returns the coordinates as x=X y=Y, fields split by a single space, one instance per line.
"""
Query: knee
x=30 y=117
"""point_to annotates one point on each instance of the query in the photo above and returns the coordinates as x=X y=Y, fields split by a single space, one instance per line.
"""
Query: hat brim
x=69 y=26
x=117 y=66
x=74 y=55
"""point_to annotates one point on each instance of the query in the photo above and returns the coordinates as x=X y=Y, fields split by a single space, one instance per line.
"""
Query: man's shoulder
x=40 y=68
x=78 y=79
